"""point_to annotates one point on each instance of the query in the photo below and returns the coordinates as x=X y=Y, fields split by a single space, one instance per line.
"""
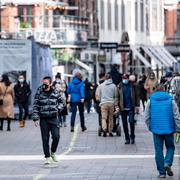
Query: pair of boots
x=22 y=123
x=8 y=125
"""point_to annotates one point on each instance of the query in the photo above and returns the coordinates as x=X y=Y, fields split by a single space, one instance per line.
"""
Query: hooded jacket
x=107 y=92
x=76 y=90
x=162 y=116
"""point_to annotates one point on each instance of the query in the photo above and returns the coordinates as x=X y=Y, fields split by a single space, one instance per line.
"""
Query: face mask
x=125 y=81
x=21 y=80
x=58 y=81
x=45 y=86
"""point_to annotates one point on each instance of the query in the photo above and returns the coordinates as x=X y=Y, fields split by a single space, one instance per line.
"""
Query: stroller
x=117 y=125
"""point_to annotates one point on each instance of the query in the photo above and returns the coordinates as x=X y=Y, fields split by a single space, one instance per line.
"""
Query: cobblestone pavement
x=83 y=155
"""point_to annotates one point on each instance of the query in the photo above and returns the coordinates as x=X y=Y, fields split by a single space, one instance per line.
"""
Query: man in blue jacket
x=76 y=95
x=163 y=120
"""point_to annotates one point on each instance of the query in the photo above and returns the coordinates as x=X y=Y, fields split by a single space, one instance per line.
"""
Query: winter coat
x=88 y=91
x=47 y=104
x=76 y=90
x=134 y=96
x=142 y=91
x=162 y=115
x=22 y=93
x=107 y=93
x=7 y=109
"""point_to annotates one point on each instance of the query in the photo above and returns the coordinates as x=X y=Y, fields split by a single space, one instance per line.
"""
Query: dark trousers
x=128 y=114
x=80 y=106
x=47 y=128
x=88 y=104
x=23 y=107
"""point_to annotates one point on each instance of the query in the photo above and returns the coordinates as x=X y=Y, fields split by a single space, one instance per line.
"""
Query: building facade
x=65 y=25
x=143 y=21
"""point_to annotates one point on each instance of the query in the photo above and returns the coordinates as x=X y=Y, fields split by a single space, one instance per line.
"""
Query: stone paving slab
x=95 y=150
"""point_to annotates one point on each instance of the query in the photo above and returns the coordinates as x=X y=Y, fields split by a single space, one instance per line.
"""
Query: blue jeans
x=125 y=115
x=162 y=161
x=81 y=113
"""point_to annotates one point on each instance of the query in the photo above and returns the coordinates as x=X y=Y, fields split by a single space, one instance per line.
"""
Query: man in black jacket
x=47 y=103
x=22 y=93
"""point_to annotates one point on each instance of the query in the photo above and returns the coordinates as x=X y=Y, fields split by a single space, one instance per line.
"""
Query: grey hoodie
x=107 y=92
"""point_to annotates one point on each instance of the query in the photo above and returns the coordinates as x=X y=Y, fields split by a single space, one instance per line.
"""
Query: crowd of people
x=115 y=94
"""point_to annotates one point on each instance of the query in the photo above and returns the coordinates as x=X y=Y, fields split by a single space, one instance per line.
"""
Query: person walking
x=47 y=104
x=76 y=97
x=97 y=101
x=149 y=84
x=107 y=94
x=142 y=90
x=22 y=93
x=163 y=120
x=88 y=95
x=175 y=88
x=129 y=104
x=61 y=87
x=6 y=101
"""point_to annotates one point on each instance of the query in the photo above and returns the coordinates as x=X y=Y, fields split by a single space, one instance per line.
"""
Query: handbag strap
x=5 y=92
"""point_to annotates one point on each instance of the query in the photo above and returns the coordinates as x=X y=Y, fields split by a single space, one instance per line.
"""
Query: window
x=142 y=15
x=136 y=16
x=25 y=14
x=56 y=18
x=116 y=22
x=154 y=15
x=123 y=15
x=102 y=14
x=109 y=14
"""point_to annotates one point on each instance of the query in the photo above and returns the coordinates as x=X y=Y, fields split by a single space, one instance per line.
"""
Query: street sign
x=123 y=48
x=108 y=45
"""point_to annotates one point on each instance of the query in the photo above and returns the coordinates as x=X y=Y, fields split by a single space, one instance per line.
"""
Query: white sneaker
x=54 y=157
x=47 y=161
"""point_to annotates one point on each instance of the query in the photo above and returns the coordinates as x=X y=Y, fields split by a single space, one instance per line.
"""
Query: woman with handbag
x=6 y=101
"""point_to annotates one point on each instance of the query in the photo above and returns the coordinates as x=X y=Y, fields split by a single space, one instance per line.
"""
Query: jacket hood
x=160 y=96
x=76 y=81
x=108 y=82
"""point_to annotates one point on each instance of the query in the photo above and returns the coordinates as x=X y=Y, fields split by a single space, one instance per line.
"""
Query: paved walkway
x=83 y=155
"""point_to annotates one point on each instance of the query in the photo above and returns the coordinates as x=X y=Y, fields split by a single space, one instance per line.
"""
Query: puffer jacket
x=47 y=104
x=76 y=89
x=161 y=112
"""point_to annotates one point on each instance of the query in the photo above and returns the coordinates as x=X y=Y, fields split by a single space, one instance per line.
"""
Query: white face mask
x=21 y=80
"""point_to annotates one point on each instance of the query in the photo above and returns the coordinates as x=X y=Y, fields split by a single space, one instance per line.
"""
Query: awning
x=148 y=50
x=140 y=56
x=83 y=65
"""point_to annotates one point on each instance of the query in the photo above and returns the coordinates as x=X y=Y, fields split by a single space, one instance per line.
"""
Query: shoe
x=127 y=142
x=8 y=129
x=47 y=161
x=60 y=125
x=104 y=134
x=1 y=128
x=54 y=157
x=162 y=176
x=21 y=124
x=110 y=134
x=84 y=129
x=72 y=129
x=169 y=171
x=65 y=125
x=132 y=141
